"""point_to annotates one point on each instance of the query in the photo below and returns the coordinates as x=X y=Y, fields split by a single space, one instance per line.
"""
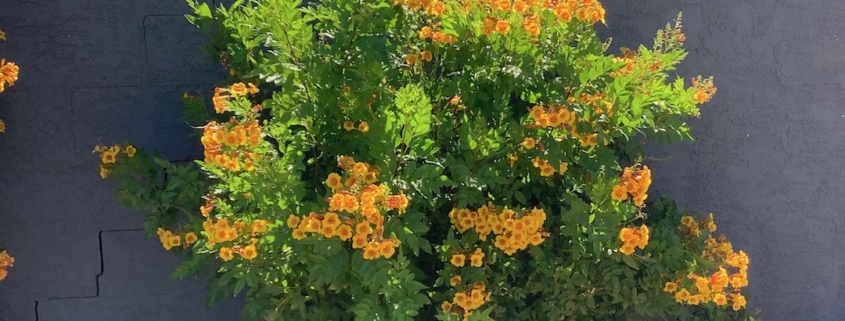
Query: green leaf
x=630 y=261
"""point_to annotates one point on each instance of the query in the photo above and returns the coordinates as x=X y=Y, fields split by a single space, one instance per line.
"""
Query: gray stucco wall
x=93 y=71
x=767 y=162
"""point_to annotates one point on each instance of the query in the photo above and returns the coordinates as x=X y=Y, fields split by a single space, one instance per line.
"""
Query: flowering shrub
x=435 y=159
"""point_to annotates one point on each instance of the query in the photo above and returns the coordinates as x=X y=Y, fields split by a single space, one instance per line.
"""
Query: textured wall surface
x=767 y=162
x=93 y=71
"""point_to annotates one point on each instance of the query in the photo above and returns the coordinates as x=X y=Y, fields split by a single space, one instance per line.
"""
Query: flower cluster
x=8 y=74
x=357 y=202
x=240 y=232
x=634 y=183
x=223 y=143
x=170 y=240
x=362 y=126
x=497 y=16
x=222 y=95
x=702 y=89
x=109 y=156
x=547 y=169
x=6 y=262
x=557 y=116
x=513 y=232
x=720 y=287
x=633 y=238
x=468 y=299
x=690 y=227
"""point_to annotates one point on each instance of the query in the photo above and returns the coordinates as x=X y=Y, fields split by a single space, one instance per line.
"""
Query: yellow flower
x=694 y=299
x=386 y=249
x=446 y=306
x=363 y=127
x=670 y=287
x=344 y=232
x=512 y=159
x=425 y=32
x=476 y=258
x=3 y=274
x=455 y=280
x=363 y=228
x=359 y=241
x=130 y=151
x=293 y=221
x=238 y=89
x=334 y=181
x=411 y=59
x=547 y=170
x=502 y=26
x=249 y=252
x=627 y=249
x=720 y=299
x=226 y=254
x=738 y=302
x=619 y=193
x=348 y=125
x=104 y=172
x=371 y=252
x=682 y=295
x=427 y=56
x=108 y=157
x=528 y=143
x=328 y=230
x=458 y=260
x=251 y=89
x=190 y=238
x=259 y=226
x=2 y=35
x=298 y=234
x=331 y=219
x=2 y=126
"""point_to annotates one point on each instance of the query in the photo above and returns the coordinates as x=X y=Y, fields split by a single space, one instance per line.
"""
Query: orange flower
x=458 y=260
x=528 y=143
x=249 y=252
x=411 y=59
x=425 y=32
x=363 y=228
x=488 y=26
x=130 y=151
x=334 y=181
x=363 y=127
x=720 y=299
x=455 y=280
x=386 y=249
x=503 y=26
x=670 y=287
x=344 y=232
x=427 y=56
x=226 y=254
x=700 y=96
x=371 y=252
x=359 y=241
x=619 y=193
x=238 y=89
x=328 y=230
x=293 y=221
